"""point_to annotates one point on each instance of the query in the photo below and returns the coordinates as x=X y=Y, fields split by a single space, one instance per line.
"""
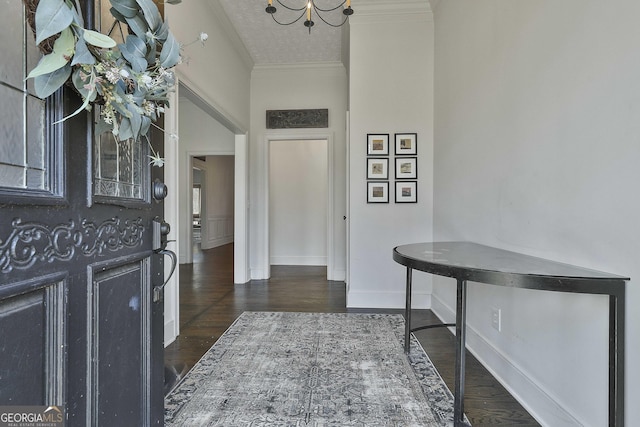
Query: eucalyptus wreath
x=131 y=81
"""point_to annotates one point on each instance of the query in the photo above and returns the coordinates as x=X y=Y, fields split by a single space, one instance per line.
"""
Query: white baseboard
x=538 y=402
x=339 y=275
x=298 y=260
x=169 y=332
x=214 y=243
x=257 y=274
x=357 y=299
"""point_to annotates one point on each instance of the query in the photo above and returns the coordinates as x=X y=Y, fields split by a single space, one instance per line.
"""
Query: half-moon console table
x=466 y=261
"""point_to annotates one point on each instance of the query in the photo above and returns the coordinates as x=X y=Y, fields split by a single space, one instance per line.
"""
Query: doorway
x=209 y=216
x=298 y=199
x=196 y=206
x=318 y=145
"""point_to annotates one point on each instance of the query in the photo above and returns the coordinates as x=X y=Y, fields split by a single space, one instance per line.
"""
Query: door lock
x=159 y=190
x=161 y=230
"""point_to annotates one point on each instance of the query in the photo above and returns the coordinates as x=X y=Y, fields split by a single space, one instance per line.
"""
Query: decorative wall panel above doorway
x=297 y=119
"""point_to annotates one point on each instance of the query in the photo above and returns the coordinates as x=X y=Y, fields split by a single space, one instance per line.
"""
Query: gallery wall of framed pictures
x=404 y=163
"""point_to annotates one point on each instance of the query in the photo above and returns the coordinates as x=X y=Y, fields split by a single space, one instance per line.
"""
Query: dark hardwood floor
x=210 y=302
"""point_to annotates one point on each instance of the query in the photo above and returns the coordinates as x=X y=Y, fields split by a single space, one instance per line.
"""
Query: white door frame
x=172 y=211
x=297 y=135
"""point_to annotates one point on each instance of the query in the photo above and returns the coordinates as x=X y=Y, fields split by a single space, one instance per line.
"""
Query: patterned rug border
x=435 y=390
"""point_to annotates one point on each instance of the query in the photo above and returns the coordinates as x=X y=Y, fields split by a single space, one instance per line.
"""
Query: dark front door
x=79 y=327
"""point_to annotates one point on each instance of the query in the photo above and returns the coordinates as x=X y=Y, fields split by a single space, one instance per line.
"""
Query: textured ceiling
x=270 y=43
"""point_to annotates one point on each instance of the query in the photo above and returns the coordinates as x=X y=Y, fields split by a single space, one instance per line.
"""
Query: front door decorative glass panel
x=119 y=168
x=24 y=155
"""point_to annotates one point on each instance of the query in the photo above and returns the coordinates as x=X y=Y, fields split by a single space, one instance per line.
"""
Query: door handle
x=161 y=230
x=158 y=290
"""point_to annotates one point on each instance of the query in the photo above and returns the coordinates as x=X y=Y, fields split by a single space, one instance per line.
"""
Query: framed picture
x=406 y=191
x=378 y=192
x=378 y=144
x=406 y=167
x=377 y=168
x=406 y=143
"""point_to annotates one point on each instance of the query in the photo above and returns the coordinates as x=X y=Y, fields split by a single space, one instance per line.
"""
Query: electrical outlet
x=496 y=319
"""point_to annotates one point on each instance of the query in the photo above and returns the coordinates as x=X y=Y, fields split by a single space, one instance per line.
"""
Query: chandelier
x=309 y=9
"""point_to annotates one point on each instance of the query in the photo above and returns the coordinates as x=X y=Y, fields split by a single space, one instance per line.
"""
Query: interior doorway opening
x=298 y=202
x=210 y=212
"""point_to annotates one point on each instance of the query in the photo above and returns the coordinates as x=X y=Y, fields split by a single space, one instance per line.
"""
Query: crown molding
x=328 y=66
x=390 y=7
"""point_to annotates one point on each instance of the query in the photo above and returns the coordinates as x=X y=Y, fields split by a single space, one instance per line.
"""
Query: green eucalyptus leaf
x=46 y=84
x=170 y=53
x=66 y=43
x=119 y=17
x=138 y=25
x=77 y=17
x=84 y=105
x=162 y=32
x=119 y=106
x=52 y=16
x=146 y=124
x=82 y=55
x=48 y=64
x=127 y=8
x=63 y=49
x=125 y=131
x=134 y=51
x=84 y=86
x=102 y=127
x=151 y=13
x=173 y=1
x=151 y=54
x=135 y=120
x=98 y=39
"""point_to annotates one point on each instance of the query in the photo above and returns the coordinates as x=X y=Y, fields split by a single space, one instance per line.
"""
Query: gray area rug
x=312 y=369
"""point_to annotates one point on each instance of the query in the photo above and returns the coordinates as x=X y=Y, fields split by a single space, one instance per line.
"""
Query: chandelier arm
x=286 y=23
x=328 y=10
x=330 y=24
x=291 y=8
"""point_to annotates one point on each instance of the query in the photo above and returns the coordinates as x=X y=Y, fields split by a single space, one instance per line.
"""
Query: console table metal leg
x=616 y=359
x=407 y=313
x=461 y=309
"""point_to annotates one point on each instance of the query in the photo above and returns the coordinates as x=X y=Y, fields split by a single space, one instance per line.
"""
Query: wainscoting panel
x=219 y=231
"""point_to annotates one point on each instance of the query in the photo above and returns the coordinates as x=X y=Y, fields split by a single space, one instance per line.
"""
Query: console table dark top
x=485 y=264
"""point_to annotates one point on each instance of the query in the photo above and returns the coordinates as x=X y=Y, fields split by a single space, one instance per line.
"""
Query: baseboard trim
x=339 y=276
x=298 y=260
x=214 y=243
x=169 y=332
x=540 y=404
x=357 y=299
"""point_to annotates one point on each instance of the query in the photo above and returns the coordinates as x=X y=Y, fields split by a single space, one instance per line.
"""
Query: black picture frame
x=378 y=192
x=406 y=192
x=406 y=168
x=377 y=168
x=406 y=144
x=377 y=144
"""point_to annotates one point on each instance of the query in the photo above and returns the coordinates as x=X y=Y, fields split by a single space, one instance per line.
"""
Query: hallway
x=210 y=302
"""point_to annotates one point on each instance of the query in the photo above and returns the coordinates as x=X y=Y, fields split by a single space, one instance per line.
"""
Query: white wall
x=391 y=91
x=217 y=221
x=537 y=150
x=200 y=134
x=298 y=172
x=219 y=71
x=297 y=87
